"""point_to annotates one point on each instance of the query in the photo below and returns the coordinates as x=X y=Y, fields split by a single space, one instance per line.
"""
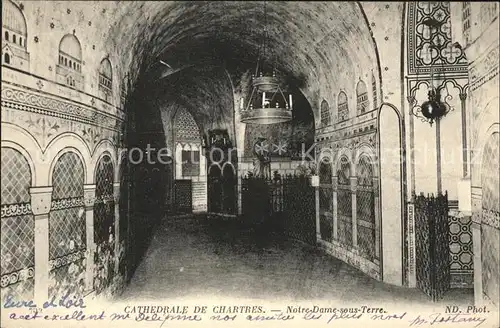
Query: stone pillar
x=465 y=147
x=116 y=195
x=354 y=185
x=89 y=198
x=178 y=161
x=41 y=198
x=335 y=207
x=318 y=230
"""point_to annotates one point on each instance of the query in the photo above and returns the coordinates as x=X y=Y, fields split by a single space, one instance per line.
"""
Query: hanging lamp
x=268 y=102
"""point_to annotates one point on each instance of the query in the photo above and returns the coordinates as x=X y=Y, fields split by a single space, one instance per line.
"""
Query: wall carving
x=37 y=103
x=484 y=69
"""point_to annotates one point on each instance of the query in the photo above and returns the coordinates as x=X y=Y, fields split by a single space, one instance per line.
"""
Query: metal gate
x=432 y=244
x=222 y=190
x=286 y=205
x=183 y=196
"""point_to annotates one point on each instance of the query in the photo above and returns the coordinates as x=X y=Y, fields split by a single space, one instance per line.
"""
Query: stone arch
x=106 y=146
x=17 y=224
x=22 y=141
x=69 y=142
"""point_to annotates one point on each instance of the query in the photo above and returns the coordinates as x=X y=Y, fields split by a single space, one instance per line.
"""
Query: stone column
x=465 y=148
x=41 y=198
x=89 y=198
x=318 y=230
x=335 y=181
x=354 y=187
x=240 y=205
x=116 y=195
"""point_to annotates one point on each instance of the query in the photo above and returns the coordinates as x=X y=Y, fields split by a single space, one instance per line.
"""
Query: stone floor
x=192 y=257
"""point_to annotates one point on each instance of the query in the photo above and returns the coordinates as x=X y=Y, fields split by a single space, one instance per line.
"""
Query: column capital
x=89 y=195
x=354 y=183
x=335 y=183
x=462 y=96
x=41 y=198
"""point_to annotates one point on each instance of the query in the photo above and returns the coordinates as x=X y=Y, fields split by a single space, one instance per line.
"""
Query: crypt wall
x=60 y=139
x=477 y=30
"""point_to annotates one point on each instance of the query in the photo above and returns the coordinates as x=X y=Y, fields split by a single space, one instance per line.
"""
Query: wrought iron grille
x=344 y=203
x=18 y=227
x=104 y=205
x=67 y=223
x=300 y=209
x=229 y=184
x=183 y=196
x=325 y=201
x=365 y=209
x=104 y=217
x=295 y=215
x=461 y=256
x=432 y=247
x=214 y=187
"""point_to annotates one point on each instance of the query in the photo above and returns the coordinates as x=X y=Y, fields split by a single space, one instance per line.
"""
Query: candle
x=263 y=100
x=241 y=103
x=290 y=97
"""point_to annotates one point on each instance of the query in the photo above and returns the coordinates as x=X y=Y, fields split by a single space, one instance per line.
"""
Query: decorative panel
x=325 y=113
x=489 y=174
x=361 y=98
x=445 y=56
x=490 y=230
x=186 y=128
x=18 y=227
x=461 y=252
x=343 y=108
x=67 y=224
x=365 y=209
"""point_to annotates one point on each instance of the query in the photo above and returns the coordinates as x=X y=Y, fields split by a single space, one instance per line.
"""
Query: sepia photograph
x=250 y=164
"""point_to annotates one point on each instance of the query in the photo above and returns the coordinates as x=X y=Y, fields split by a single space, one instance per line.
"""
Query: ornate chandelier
x=267 y=103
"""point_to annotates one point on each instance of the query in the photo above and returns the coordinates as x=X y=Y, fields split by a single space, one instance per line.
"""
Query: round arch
x=22 y=141
x=67 y=142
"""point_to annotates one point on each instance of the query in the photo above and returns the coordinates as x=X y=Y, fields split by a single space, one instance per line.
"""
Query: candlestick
x=290 y=97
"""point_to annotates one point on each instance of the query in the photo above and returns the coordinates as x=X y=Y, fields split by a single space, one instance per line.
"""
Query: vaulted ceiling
x=322 y=46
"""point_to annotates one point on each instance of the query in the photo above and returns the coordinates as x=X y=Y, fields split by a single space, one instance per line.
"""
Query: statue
x=262 y=160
